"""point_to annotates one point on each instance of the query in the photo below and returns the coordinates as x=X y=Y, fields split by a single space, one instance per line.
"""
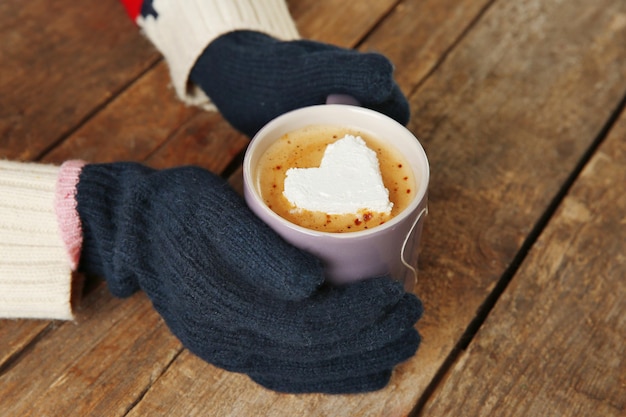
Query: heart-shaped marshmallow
x=347 y=181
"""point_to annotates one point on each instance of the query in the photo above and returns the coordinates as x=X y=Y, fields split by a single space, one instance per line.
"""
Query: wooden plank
x=236 y=395
x=504 y=121
x=16 y=337
x=131 y=127
x=554 y=343
x=205 y=140
x=97 y=365
x=502 y=133
x=339 y=23
x=60 y=62
x=418 y=33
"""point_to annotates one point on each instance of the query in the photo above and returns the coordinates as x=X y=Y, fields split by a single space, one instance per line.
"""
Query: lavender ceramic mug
x=388 y=249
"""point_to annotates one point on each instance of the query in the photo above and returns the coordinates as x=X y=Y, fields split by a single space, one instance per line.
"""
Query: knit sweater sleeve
x=182 y=29
x=36 y=263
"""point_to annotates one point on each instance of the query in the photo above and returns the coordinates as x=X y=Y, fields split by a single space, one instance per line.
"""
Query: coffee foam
x=348 y=181
x=305 y=148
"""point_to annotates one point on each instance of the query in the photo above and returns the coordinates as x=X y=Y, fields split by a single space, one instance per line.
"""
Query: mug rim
x=250 y=184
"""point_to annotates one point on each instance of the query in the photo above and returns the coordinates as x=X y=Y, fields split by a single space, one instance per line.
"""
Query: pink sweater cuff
x=65 y=208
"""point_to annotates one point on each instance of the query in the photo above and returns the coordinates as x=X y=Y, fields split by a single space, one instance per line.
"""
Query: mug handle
x=406 y=240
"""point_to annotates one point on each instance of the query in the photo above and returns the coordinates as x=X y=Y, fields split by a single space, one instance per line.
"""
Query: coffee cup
x=386 y=249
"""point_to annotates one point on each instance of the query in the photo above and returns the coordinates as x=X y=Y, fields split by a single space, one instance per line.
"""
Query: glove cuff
x=35 y=272
x=182 y=30
x=104 y=195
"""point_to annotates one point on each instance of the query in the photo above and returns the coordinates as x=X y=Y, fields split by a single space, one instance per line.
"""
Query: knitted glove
x=253 y=78
x=231 y=290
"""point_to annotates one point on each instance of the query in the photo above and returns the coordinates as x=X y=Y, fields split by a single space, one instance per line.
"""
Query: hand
x=253 y=78
x=231 y=290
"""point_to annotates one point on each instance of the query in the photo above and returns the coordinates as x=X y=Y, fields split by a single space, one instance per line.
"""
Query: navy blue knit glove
x=231 y=290
x=253 y=78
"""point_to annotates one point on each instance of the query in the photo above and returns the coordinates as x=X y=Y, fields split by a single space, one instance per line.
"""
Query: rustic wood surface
x=554 y=343
x=522 y=263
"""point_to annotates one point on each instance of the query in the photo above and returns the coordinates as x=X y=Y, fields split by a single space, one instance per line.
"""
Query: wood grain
x=417 y=35
x=141 y=119
x=506 y=98
x=339 y=23
x=96 y=365
x=16 y=337
x=60 y=62
x=504 y=120
x=554 y=343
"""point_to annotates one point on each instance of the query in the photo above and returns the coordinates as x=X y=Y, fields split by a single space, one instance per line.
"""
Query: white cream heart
x=347 y=181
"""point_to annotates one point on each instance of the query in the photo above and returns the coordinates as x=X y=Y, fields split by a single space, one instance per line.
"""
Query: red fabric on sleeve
x=133 y=8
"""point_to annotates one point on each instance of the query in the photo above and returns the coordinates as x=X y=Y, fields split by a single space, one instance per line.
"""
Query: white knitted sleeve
x=35 y=271
x=184 y=28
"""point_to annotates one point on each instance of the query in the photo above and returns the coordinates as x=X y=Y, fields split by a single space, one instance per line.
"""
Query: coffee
x=304 y=148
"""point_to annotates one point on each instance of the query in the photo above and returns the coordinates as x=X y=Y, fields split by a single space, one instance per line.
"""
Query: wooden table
x=520 y=107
